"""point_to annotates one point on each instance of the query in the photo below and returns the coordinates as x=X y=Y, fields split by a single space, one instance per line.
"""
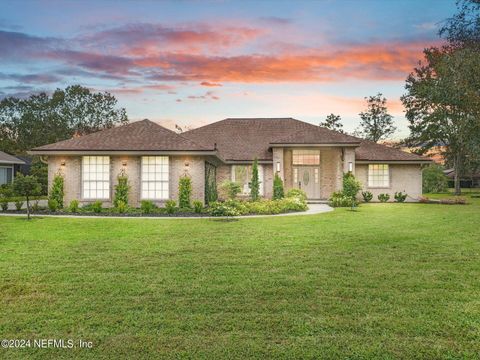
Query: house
x=8 y=164
x=305 y=156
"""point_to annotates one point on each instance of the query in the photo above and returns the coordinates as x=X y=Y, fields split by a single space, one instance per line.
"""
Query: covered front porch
x=317 y=170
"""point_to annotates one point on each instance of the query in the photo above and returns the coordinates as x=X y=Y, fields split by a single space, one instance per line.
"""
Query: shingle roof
x=245 y=139
x=235 y=140
x=371 y=151
x=9 y=159
x=142 y=135
x=316 y=135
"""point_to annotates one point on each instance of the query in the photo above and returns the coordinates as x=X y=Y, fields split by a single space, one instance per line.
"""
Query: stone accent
x=267 y=181
x=405 y=178
x=288 y=170
x=348 y=156
x=278 y=158
x=330 y=171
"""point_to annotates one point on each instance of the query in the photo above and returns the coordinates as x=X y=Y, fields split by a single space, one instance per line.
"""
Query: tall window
x=6 y=175
x=96 y=177
x=378 y=175
x=306 y=157
x=155 y=177
x=242 y=174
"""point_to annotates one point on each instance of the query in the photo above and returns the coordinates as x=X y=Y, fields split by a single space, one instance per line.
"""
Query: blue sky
x=191 y=63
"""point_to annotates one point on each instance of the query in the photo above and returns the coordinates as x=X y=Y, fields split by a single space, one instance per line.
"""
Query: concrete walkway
x=313 y=209
x=11 y=205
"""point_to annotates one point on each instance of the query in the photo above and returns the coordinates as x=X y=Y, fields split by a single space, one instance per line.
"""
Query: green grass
x=386 y=281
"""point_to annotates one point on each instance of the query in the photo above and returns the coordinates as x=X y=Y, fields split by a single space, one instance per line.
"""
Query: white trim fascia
x=273 y=145
x=393 y=162
x=19 y=162
x=119 y=152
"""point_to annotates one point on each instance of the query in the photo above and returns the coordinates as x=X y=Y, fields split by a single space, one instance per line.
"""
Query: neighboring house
x=7 y=167
x=305 y=156
x=466 y=181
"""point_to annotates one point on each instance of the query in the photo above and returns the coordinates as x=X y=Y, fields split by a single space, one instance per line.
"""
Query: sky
x=195 y=62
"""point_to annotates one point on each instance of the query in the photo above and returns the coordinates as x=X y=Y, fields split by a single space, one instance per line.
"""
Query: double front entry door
x=307 y=178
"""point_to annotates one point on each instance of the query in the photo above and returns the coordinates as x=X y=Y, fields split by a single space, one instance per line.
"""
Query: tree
x=27 y=186
x=278 y=192
x=121 y=190
x=376 y=123
x=40 y=171
x=442 y=100
x=42 y=119
x=333 y=122
x=184 y=192
x=57 y=192
x=433 y=179
x=255 y=182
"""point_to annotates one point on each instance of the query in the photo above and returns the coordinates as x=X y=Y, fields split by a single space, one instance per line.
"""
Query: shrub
x=198 y=206
x=97 y=206
x=278 y=192
x=339 y=199
x=400 y=197
x=383 y=197
x=230 y=189
x=36 y=206
x=351 y=186
x=147 y=206
x=433 y=179
x=18 y=205
x=56 y=192
x=296 y=193
x=255 y=182
x=74 y=206
x=121 y=190
x=184 y=192
x=170 y=206
x=367 y=196
x=121 y=207
x=52 y=205
x=226 y=208
x=5 y=193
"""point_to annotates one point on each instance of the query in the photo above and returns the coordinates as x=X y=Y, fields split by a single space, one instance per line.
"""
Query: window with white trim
x=306 y=157
x=96 y=177
x=155 y=174
x=6 y=174
x=242 y=175
x=378 y=175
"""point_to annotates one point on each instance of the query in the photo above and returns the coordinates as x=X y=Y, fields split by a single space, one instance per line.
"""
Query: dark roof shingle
x=371 y=151
x=142 y=135
x=244 y=139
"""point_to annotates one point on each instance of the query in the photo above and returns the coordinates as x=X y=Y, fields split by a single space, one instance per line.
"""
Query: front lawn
x=387 y=281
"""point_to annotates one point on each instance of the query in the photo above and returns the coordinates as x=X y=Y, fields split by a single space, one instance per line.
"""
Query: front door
x=307 y=178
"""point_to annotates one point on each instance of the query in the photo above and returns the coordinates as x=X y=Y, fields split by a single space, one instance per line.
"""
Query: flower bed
x=294 y=203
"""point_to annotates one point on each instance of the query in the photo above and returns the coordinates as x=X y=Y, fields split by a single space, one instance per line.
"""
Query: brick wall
x=404 y=178
x=72 y=175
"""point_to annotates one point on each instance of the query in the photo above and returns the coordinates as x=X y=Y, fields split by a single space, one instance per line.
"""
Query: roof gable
x=142 y=135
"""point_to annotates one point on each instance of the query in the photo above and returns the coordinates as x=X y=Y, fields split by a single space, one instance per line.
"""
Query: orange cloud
x=371 y=61
x=210 y=84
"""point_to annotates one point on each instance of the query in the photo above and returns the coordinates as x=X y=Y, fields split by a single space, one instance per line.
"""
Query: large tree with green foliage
x=333 y=122
x=42 y=119
x=376 y=123
x=443 y=93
